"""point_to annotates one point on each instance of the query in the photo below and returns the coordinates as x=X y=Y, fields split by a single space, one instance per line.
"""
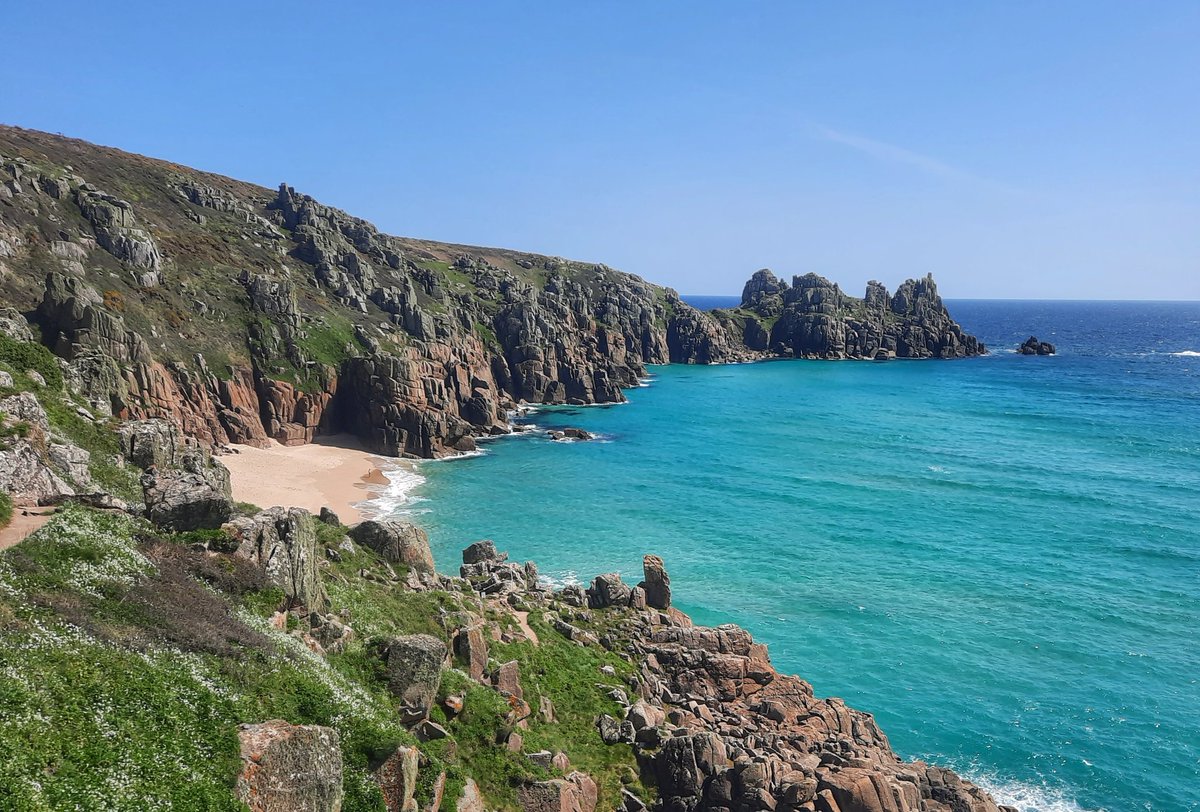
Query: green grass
x=6 y=510
x=97 y=717
x=22 y=356
x=110 y=703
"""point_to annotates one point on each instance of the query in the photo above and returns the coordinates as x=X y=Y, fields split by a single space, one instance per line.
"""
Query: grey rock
x=195 y=496
x=397 y=542
x=413 y=664
x=290 y=767
x=284 y=542
x=657 y=584
x=483 y=551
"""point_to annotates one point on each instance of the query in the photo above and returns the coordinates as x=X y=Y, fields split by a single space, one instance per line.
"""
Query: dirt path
x=523 y=622
x=24 y=522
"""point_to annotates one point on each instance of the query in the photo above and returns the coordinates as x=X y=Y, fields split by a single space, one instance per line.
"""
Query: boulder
x=657 y=584
x=14 y=325
x=575 y=793
x=290 y=768
x=608 y=590
x=195 y=496
x=413 y=665
x=284 y=542
x=471 y=800
x=508 y=679
x=483 y=552
x=684 y=763
x=471 y=648
x=397 y=542
x=397 y=779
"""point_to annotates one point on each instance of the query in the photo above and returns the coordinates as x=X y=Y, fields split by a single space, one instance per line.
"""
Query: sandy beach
x=333 y=472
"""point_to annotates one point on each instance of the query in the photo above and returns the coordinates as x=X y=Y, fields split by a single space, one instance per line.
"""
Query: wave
x=396 y=496
x=558 y=580
x=1187 y=354
x=1026 y=796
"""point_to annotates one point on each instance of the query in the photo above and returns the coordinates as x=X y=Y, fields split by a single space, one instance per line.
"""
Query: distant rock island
x=246 y=315
x=1033 y=346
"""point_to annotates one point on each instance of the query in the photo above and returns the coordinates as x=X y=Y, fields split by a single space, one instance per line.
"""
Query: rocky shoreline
x=247 y=315
x=144 y=335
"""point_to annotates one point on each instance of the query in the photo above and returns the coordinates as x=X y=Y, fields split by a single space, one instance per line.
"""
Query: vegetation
x=6 y=510
x=128 y=657
x=21 y=356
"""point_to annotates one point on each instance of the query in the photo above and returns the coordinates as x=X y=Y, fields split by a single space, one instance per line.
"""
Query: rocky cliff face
x=247 y=315
x=813 y=318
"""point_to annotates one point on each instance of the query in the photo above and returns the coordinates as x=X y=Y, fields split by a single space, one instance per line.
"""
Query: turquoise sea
x=998 y=557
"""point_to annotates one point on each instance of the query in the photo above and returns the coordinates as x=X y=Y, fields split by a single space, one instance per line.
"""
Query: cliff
x=162 y=647
x=245 y=314
x=813 y=318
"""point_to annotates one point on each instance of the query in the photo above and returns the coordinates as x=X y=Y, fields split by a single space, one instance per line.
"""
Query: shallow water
x=998 y=557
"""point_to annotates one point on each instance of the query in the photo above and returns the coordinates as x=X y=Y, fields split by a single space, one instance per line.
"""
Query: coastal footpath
x=248 y=315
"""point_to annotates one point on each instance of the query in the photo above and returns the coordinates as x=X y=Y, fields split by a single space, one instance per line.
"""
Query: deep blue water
x=998 y=557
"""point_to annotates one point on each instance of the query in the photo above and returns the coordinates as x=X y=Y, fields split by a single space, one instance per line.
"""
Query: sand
x=332 y=472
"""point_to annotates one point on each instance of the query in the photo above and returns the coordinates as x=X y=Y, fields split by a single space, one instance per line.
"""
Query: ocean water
x=998 y=557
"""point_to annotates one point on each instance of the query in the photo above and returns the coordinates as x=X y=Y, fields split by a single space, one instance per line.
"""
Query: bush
x=22 y=355
x=6 y=509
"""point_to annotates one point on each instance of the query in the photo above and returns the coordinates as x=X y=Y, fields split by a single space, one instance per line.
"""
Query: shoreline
x=333 y=471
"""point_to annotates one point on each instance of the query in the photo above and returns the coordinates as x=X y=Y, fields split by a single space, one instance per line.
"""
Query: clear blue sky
x=1014 y=149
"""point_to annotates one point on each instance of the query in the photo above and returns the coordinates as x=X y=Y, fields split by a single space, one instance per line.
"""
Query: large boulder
x=684 y=763
x=283 y=541
x=195 y=496
x=397 y=779
x=29 y=472
x=575 y=793
x=413 y=665
x=470 y=646
x=154 y=443
x=398 y=542
x=483 y=552
x=657 y=584
x=608 y=590
x=290 y=768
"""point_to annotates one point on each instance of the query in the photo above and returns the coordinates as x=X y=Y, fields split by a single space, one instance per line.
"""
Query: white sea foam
x=558 y=580
x=403 y=476
x=1027 y=797
x=1187 y=354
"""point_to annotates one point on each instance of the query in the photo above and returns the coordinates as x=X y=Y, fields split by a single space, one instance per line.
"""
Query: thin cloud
x=890 y=153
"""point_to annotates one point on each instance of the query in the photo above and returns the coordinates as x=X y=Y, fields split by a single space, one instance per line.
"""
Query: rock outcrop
x=813 y=318
x=276 y=317
x=290 y=768
x=1033 y=346
x=717 y=726
x=397 y=542
x=283 y=541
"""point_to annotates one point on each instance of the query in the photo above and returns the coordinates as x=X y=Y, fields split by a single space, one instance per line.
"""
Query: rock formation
x=244 y=314
x=297 y=768
x=1033 y=346
x=813 y=318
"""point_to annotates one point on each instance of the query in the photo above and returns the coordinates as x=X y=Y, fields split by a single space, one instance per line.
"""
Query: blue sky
x=1014 y=149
